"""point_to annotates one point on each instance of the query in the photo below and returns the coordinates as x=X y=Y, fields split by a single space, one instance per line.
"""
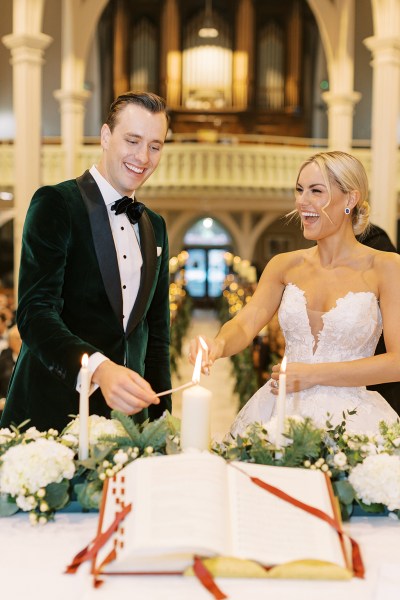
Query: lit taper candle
x=281 y=405
x=84 y=409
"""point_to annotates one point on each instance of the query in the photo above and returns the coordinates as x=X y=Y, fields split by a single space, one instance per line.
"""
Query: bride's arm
x=239 y=332
x=382 y=368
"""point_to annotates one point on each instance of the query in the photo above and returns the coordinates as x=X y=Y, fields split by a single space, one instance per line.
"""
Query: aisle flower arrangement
x=40 y=472
x=234 y=296
x=181 y=307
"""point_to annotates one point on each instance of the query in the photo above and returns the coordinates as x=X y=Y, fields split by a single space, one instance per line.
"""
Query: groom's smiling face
x=132 y=150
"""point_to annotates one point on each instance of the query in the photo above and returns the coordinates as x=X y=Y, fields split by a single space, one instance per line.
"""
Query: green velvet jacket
x=70 y=302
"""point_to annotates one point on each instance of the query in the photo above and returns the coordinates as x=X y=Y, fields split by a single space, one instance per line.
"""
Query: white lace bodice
x=351 y=329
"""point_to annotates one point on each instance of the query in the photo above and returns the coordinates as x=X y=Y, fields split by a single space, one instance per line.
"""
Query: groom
x=94 y=279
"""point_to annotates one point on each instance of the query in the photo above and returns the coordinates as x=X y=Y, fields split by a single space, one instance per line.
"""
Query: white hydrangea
x=272 y=427
x=377 y=480
x=26 y=503
x=32 y=434
x=28 y=467
x=98 y=427
x=6 y=435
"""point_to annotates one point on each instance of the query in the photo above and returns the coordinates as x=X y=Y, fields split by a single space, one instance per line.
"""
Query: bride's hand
x=214 y=351
x=298 y=377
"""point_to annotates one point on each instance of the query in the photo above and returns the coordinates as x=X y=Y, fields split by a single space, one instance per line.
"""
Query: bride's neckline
x=316 y=333
x=349 y=293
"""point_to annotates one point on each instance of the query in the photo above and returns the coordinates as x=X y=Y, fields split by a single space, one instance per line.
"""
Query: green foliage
x=246 y=383
x=330 y=449
x=89 y=493
x=57 y=494
x=306 y=443
x=179 y=327
x=131 y=428
x=8 y=506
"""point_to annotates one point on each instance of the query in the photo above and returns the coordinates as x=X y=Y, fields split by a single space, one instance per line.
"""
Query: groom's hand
x=123 y=389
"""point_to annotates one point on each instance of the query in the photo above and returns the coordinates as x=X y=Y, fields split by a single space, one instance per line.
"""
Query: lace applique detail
x=351 y=330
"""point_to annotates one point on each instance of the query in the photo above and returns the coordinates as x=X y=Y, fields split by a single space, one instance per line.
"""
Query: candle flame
x=197 y=367
x=283 y=365
x=85 y=360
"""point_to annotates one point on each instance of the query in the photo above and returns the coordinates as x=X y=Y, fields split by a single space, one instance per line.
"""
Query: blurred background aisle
x=220 y=382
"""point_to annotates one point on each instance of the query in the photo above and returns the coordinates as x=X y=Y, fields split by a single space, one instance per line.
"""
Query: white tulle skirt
x=320 y=403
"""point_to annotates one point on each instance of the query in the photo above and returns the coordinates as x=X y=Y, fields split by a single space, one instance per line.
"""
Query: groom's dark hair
x=146 y=100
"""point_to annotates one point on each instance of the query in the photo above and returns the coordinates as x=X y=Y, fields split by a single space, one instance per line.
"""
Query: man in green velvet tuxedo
x=94 y=279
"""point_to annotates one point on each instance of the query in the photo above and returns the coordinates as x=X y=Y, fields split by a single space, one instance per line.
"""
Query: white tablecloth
x=32 y=561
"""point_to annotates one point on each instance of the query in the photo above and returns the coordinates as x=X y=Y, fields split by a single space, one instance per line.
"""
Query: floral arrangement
x=180 y=305
x=234 y=296
x=40 y=472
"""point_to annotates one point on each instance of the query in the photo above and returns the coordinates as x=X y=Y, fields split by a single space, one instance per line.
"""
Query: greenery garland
x=246 y=383
x=40 y=472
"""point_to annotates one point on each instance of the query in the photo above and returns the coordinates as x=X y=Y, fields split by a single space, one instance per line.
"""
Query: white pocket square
x=159 y=250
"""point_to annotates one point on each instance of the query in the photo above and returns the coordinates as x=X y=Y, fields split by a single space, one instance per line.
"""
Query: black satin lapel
x=148 y=247
x=103 y=240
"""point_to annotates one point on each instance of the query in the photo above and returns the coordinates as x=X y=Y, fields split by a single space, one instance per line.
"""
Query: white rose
x=340 y=459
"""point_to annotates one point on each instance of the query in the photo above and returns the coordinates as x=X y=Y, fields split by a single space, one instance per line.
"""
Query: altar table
x=33 y=560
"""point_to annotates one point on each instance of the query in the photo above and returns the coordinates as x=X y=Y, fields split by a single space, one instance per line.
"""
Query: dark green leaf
x=129 y=425
x=57 y=495
x=89 y=493
x=374 y=508
x=8 y=506
x=344 y=491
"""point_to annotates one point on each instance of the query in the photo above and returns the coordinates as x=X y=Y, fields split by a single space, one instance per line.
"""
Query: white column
x=72 y=108
x=336 y=24
x=72 y=95
x=340 y=118
x=27 y=51
x=171 y=55
x=385 y=114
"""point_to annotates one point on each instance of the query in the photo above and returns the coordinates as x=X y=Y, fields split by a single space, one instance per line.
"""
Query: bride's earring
x=347 y=210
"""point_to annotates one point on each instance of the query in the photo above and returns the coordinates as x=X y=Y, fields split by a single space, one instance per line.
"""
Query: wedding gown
x=350 y=330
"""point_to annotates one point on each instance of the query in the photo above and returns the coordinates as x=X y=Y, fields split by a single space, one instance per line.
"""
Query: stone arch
x=177 y=226
x=258 y=230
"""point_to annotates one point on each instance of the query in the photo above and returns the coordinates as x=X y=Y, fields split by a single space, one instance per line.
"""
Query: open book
x=197 y=504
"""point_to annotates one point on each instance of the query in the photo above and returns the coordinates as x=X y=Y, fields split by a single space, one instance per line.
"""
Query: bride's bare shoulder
x=294 y=258
x=386 y=263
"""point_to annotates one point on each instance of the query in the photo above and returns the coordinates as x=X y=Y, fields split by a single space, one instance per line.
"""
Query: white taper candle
x=84 y=409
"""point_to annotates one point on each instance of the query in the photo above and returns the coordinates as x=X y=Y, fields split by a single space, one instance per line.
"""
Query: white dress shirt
x=126 y=240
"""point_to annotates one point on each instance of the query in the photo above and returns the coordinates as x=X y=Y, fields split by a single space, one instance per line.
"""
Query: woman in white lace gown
x=332 y=299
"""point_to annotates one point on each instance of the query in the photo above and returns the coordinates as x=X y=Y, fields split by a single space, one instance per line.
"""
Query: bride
x=333 y=299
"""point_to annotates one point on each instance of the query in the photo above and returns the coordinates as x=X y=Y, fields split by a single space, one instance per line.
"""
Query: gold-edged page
x=178 y=510
x=271 y=531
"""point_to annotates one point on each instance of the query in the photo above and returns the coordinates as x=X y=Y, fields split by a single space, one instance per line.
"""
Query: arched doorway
x=206 y=243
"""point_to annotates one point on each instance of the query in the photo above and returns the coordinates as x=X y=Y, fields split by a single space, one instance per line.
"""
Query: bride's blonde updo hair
x=348 y=174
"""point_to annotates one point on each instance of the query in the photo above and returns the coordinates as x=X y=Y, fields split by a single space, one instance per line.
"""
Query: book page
x=179 y=504
x=271 y=531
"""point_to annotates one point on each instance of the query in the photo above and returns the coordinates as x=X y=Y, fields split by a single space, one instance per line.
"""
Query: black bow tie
x=133 y=210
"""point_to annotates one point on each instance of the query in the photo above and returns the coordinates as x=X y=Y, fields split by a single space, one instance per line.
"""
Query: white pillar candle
x=84 y=409
x=281 y=405
x=196 y=418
